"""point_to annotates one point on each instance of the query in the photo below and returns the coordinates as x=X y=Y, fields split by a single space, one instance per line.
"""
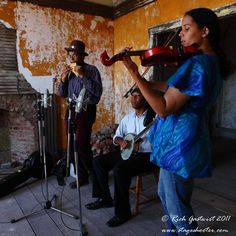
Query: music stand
x=42 y=146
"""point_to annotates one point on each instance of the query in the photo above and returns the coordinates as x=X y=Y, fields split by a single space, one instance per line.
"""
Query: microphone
x=47 y=101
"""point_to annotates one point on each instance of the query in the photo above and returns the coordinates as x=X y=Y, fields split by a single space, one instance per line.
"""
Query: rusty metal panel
x=8 y=61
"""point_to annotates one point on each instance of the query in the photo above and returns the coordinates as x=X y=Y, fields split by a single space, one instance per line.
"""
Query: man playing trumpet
x=76 y=76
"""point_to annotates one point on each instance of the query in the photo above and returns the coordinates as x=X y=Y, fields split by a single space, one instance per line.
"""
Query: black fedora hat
x=77 y=46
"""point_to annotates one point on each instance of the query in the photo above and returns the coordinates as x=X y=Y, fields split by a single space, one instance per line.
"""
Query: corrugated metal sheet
x=10 y=80
x=8 y=61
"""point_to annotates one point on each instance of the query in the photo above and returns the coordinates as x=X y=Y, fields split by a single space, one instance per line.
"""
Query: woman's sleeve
x=190 y=78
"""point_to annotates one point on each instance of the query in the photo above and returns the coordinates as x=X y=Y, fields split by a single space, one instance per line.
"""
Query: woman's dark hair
x=205 y=17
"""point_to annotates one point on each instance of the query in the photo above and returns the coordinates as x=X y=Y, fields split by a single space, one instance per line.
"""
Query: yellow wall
x=131 y=30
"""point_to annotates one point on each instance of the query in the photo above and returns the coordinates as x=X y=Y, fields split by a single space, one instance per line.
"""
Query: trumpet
x=75 y=68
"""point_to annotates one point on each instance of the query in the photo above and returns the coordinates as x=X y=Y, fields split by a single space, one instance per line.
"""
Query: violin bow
x=128 y=93
x=170 y=38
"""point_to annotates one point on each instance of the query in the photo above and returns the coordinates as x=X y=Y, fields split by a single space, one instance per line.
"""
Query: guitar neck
x=137 y=137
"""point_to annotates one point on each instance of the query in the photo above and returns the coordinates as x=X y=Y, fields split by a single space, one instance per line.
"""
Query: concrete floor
x=214 y=203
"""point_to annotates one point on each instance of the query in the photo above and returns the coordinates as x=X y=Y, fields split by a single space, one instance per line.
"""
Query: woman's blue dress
x=180 y=141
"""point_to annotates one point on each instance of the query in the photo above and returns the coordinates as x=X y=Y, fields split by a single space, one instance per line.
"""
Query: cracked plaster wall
x=42 y=34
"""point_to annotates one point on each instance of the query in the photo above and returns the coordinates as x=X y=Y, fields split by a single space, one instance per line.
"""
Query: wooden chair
x=137 y=189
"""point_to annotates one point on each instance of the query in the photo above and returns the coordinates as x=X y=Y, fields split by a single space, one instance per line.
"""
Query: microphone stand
x=70 y=128
x=77 y=105
x=42 y=145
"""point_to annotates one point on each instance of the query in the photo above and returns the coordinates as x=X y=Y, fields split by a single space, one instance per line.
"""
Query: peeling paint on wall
x=131 y=31
x=42 y=35
x=7 y=14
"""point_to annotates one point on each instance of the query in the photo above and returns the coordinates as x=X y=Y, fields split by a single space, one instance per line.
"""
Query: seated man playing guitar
x=123 y=166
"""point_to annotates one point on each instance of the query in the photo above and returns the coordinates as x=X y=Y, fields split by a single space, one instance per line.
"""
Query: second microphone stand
x=42 y=105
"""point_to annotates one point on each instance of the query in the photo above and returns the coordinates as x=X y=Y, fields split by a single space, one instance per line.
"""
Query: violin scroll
x=107 y=61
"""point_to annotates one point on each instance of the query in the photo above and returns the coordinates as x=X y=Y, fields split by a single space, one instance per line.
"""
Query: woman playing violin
x=180 y=136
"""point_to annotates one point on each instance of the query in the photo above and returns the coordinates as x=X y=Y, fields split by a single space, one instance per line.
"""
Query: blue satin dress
x=181 y=142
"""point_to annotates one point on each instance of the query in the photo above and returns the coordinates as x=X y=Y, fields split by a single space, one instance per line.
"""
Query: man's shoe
x=99 y=203
x=116 y=221
x=73 y=184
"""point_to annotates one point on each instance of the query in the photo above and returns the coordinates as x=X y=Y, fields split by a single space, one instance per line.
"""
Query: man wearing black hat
x=123 y=170
x=74 y=77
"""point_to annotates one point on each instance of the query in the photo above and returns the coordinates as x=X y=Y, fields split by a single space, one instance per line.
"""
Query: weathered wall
x=20 y=137
x=131 y=30
x=7 y=14
x=42 y=34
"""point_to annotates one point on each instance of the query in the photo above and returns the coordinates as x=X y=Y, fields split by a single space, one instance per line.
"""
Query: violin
x=153 y=56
